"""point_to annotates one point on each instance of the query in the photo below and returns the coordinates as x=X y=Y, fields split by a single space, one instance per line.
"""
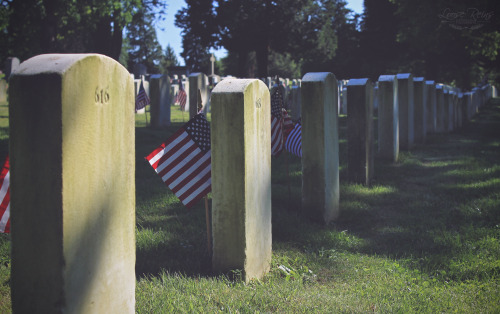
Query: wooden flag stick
x=209 y=233
x=146 y=114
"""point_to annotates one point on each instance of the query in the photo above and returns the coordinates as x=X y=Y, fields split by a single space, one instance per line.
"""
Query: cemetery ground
x=425 y=237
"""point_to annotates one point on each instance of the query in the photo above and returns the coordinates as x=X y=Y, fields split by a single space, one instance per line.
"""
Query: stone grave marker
x=406 y=110
x=241 y=177
x=388 y=118
x=420 y=114
x=430 y=109
x=360 y=137
x=72 y=185
x=159 y=90
x=320 y=147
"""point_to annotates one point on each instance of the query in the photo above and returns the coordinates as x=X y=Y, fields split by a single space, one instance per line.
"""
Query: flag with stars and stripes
x=181 y=97
x=276 y=122
x=5 y=198
x=183 y=161
x=142 y=99
x=293 y=142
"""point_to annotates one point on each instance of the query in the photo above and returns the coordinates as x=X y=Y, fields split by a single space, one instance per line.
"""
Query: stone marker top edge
x=419 y=79
x=234 y=85
x=404 y=75
x=316 y=76
x=54 y=63
x=357 y=82
x=386 y=78
x=430 y=82
x=196 y=74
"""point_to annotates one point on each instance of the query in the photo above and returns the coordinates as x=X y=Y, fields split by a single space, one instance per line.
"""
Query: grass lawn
x=424 y=238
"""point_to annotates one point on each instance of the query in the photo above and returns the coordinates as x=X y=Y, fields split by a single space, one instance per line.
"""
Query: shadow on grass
x=433 y=208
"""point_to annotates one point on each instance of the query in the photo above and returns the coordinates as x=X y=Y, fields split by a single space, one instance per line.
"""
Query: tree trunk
x=262 y=60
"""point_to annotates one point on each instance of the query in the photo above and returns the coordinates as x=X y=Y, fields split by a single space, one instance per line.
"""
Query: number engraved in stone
x=258 y=103
x=101 y=96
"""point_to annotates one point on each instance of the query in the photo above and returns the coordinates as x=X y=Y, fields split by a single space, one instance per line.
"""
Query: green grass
x=424 y=238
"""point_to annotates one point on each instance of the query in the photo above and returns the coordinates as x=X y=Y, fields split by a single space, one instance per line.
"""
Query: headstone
x=360 y=135
x=447 y=110
x=241 y=177
x=431 y=106
x=388 y=118
x=159 y=90
x=185 y=85
x=198 y=81
x=295 y=106
x=73 y=206
x=406 y=111
x=420 y=114
x=440 y=123
x=11 y=65
x=320 y=147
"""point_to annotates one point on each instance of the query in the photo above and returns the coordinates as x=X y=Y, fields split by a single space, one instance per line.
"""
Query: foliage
x=169 y=59
x=143 y=43
x=32 y=27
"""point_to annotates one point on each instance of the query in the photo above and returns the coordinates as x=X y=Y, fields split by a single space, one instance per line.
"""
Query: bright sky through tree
x=169 y=34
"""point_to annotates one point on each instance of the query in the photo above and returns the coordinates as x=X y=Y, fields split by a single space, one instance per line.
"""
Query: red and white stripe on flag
x=5 y=198
x=183 y=161
x=276 y=136
x=293 y=142
x=181 y=97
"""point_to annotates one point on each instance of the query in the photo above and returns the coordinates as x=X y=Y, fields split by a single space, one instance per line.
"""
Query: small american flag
x=5 y=198
x=183 y=161
x=276 y=122
x=181 y=97
x=142 y=99
x=293 y=142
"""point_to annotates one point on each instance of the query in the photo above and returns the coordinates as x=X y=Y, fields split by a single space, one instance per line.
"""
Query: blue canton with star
x=198 y=129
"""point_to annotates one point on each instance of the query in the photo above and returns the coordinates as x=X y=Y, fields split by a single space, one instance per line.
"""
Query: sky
x=168 y=34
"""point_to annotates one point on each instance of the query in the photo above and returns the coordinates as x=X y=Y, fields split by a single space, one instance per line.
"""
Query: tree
x=199 y=33
x=169 y=59
x=144 y=46
x=64 y=26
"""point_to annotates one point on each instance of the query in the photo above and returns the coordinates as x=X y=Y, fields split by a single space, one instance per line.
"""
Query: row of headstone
x=408 y=109
x=80 y=227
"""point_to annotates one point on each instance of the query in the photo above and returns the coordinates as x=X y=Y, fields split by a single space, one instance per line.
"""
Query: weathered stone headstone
x=241 y=177
x=295 y=106
x=198 y=81
x=406 y=112
x=11 y=65
x=360 y=135
x=73 y=206
x=440 y=123
x=159 y=90
x=446 y=109
x=420 y=114
x=431 y=106
x=320 y=147
x=388 y=118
